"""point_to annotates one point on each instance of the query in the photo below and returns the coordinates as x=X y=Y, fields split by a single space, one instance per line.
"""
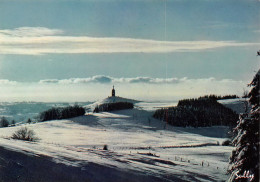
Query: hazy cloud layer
x=101 y=79
x=41 y=40
x=107 y=79
x=99 y=87
x=30 y=32
x=7 y=82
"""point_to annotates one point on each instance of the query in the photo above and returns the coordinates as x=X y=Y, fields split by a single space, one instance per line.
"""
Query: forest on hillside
x=200 y=112
x=113 y=106
x=61 y=113
x=219 y=97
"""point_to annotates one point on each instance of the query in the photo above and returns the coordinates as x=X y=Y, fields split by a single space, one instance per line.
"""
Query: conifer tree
x=4 y=122
x=244 y=161
x=29 y=120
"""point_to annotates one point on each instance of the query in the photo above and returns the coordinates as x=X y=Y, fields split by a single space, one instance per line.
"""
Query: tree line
x=50 y=114
x=61 y=113
x=5 y=123
x=201 y=112
x=113 y=106
x=219 y=97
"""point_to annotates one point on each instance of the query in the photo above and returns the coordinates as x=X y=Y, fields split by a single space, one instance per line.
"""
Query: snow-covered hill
x=141 y=148
x=238 y=105
x=111 y=99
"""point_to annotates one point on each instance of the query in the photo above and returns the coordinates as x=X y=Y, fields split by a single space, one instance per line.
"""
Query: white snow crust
x=136 y=142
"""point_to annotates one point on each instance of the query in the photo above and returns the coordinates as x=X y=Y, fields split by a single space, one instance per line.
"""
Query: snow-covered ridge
x=111 y=99
x=173 y=153
x=238 y=105
x=114 y=99
x=137 y=143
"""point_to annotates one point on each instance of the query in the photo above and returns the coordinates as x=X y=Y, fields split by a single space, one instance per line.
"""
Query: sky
x=76 y=50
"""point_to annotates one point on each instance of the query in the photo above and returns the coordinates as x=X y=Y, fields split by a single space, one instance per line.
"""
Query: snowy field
x=140 y=148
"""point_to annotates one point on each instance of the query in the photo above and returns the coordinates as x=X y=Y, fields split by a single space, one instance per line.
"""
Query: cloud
x=99 y=87
x=107 y=79
x=151 y=80
x=256 y=31
x=102 y=79
x=7 y=82
x=94 y=79
x=49 y=81
x=30 y=32
x=40 y=41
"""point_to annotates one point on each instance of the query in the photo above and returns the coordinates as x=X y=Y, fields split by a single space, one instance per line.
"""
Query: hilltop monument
x=113 y=92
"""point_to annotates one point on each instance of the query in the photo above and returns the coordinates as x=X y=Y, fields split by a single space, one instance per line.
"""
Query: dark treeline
x=4 y=122
x=219 y=97
x=61 y=113
x=113 y=106
x=199 y=112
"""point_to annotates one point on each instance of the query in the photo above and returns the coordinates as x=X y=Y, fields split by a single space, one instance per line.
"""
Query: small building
x=113 y=92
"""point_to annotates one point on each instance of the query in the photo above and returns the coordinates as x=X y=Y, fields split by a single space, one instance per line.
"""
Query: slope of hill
x=111 y=99
x=140 y=148
x=238 y=105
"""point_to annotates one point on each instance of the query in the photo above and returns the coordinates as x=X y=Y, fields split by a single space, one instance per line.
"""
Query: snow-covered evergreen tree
x=244 y=161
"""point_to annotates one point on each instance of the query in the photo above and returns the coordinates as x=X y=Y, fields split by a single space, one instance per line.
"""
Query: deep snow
x=141 y=148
